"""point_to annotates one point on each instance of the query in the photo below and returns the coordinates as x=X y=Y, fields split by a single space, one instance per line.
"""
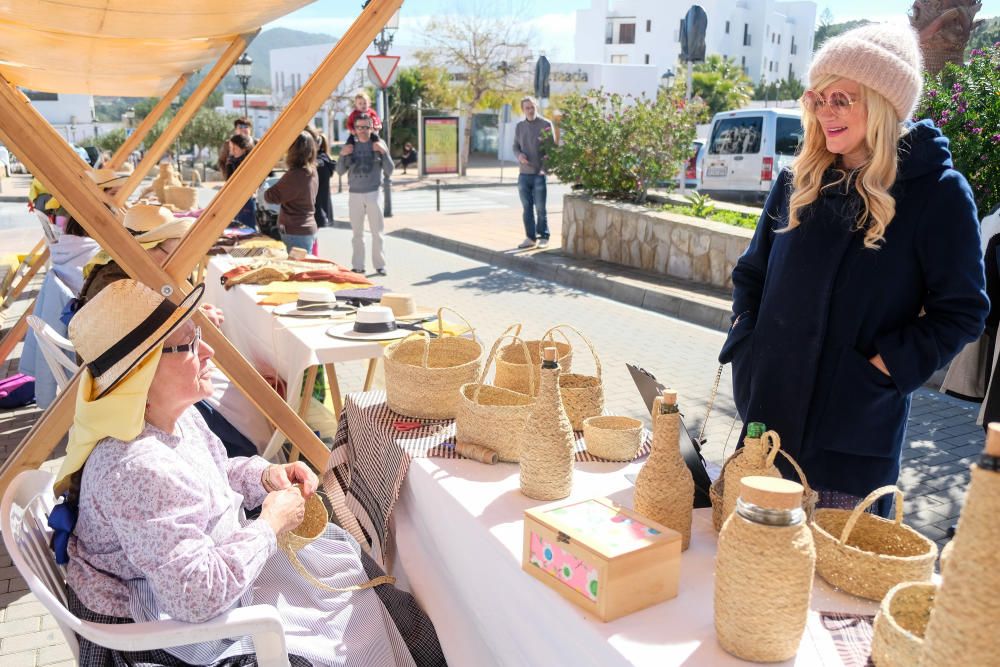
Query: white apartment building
x=772 y=40
x=72 y=116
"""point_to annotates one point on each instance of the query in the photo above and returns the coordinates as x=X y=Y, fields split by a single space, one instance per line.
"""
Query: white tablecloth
x=459 y=535
x=279 y=346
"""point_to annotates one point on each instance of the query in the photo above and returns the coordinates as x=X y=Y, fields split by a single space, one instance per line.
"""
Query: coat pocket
x=865 y=414
x=737 y=349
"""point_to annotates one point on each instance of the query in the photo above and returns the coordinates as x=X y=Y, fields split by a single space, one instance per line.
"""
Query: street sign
x=382 y=69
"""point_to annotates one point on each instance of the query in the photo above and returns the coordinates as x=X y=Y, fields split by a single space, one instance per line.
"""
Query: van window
x=788 y=135
x=736 y=135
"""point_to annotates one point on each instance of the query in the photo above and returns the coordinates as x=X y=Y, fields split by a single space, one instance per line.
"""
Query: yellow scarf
x=120 y=414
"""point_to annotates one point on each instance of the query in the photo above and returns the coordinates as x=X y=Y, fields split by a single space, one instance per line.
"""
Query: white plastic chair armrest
x=261 y=622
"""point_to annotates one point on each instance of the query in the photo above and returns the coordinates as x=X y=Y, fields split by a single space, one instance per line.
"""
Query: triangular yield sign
x=383 y=67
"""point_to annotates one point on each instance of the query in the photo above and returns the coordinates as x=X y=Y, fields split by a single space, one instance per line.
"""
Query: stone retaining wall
x=676 y=245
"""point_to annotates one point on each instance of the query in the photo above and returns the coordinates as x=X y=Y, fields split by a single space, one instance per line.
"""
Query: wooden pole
x=184 y=114
x=279 y=137
x=36 y=263
x=133 y=140
x=16 y=334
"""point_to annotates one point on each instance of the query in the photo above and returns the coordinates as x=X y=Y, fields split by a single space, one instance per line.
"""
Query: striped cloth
x=369 y=459
x=852 y=635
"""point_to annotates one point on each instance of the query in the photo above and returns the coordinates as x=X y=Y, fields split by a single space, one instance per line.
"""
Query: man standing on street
x=365 y=161
x=528 y=137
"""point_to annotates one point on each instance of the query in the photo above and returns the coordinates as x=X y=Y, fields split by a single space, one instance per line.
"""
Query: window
x=795 y=48
x=779 y=38
x=649 y=25
x=609 y=32
x=619 y=59
x=727 y=27
x=788 y=135
x=790 y=75
x=36 y=96
x=736 y=136
x=743 y=63
x=626 y=33
x=647 y=58
x=746 y=34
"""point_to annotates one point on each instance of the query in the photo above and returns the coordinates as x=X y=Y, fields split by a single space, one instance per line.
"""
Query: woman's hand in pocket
x=877 y=362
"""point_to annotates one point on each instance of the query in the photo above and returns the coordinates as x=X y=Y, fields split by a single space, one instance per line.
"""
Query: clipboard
x=649 y=388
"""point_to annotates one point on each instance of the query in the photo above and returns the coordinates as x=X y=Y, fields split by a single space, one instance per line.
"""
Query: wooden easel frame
x=133 y=141
x=38 y=145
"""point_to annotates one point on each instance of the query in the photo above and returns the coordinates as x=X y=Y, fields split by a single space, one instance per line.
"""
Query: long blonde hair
x=873 y=179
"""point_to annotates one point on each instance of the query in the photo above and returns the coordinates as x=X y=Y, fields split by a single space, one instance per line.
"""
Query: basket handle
x=516 y=328
x=460 y=316
x=597 y=360
x=866 y=503
x=427 y=344
x=548 y=335
x=798 y=471
x=493 y=354
x=308 y=576
x=772 y=439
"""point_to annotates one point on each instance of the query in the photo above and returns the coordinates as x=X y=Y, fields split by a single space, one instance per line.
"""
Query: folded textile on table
x=363 y=297
x=851 y=634
x=264 y=271
x=332 y=275
x=253 y=275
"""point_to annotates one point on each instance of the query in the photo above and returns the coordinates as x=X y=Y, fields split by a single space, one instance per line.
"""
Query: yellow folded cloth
x=121 y=414
x=286 y=291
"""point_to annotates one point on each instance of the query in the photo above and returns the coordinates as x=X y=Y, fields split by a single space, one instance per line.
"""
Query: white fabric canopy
x=121 y=47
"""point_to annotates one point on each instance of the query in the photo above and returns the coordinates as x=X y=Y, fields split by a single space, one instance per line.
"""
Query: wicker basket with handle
x=423 y=375
x=582 y=395
x=866 y=555
x=518 y=364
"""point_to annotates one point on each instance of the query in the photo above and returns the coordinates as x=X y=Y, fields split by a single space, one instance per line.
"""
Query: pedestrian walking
x=864 y=274
x=325 y=166
x=529 y=137
x=239 y=148
x=365 y=161
x=295 y=191
x=240 y=126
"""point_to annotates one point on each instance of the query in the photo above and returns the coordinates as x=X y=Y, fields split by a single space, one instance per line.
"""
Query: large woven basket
x=582 y=395
x=866 y=555
x=182 y=197
x=517 y=362
x=494 y=416
x=901 y=623
x=715 y=491
x=423 y=375
x=613 y=438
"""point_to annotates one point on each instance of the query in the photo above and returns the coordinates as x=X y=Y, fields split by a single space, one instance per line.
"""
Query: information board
x=440 y=145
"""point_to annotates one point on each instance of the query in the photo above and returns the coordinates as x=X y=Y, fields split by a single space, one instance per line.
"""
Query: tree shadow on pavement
x=492 y=280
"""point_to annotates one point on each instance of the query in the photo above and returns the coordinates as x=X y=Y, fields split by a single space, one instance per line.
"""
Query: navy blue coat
x=812 y=305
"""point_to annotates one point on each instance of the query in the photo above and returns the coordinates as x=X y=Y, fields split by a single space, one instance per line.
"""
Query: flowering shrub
x=621 y=147
x=964 y=101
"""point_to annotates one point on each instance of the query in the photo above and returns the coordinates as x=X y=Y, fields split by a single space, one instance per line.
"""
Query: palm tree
x=721 y=83
x=944 y=27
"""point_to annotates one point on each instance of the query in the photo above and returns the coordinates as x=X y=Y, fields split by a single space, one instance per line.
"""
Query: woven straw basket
x=901 y=623
x=866 y=555
x=612 y=438
x=582 y=395
x=517 y=362
x=423 y=375
x=182 y=197
x=715 y=491
x=494 y=416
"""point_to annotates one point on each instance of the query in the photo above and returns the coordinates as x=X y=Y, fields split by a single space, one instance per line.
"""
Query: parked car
x=267 y=213
x=692 y=168
x=16 y=166
x=747 y=149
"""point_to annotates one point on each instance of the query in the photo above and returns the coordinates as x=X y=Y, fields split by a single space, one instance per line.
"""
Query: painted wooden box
x=603 y=557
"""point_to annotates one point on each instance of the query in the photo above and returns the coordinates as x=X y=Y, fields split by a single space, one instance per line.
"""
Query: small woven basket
x=901 y=623
x=520 y=365
x=582 y=395
x=183 y=197
x=493 y=416
x=613 y=438
x=866 y=555
x=715 y=491
x=423 y=375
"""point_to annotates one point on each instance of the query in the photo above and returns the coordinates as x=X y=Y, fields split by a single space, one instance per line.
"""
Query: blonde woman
x=864 y=275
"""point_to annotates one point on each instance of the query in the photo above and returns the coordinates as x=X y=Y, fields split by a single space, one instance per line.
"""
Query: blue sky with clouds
x=551 y=21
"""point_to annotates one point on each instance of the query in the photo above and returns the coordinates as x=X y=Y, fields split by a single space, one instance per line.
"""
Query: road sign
x=383 y=69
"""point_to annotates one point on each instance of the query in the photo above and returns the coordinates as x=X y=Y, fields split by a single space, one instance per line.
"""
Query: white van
x=747 y=149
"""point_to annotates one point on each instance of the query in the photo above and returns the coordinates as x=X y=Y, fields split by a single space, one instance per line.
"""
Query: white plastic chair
x=59 y=352
x=23 y=518
x=51 y=231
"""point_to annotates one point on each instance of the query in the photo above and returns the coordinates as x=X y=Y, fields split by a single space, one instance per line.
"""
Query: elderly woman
x=865 y=273
x=161 y=531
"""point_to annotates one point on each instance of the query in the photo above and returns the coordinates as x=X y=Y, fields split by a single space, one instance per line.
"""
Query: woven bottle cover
x=664 y=488
x=313 y=525
x=755 y=458
x=547 y=440
x=962 y=628
x=763 y=576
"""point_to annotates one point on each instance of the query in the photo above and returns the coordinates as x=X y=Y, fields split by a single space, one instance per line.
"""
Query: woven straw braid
x=612 y=438
x=763 y=582
x=518 y=368
x=312 y=526
x=743 y=463
x=664 y=489
x=493 y=416
x=901 y=623
x=547 y=444
x=866 y=555
x=962 y=630
x=582 y=395
x=423 y=377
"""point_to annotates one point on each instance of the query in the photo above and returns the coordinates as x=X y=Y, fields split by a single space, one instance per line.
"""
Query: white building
x=260 y=110
x=72 y=116
x=772 y=40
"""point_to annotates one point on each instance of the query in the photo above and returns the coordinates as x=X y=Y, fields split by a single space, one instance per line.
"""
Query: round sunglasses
x=838 y=101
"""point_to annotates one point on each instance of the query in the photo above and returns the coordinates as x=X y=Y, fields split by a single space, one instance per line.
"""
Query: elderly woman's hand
x=283 y=510
x=214 y=314
x=278 y=477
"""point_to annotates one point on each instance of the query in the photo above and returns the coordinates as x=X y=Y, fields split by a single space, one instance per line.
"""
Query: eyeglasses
x=187 y=347
x=839 y=102
x=362 y=127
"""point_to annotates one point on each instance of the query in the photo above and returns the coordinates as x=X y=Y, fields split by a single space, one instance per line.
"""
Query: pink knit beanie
x=883 y=56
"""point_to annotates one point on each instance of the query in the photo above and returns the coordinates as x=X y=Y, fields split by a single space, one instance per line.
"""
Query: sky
x=553 y=22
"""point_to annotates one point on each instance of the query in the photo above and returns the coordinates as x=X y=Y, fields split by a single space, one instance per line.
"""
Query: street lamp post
x=382 y=42
x=242 y=69
x=668 y=78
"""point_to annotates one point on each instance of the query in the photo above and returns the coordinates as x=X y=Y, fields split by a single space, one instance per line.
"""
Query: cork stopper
x=771 y=492
x=993 y=439
x=669 y=397
x=549 y=353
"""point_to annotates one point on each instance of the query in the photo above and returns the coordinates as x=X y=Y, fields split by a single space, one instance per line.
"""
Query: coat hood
x=924 y=150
